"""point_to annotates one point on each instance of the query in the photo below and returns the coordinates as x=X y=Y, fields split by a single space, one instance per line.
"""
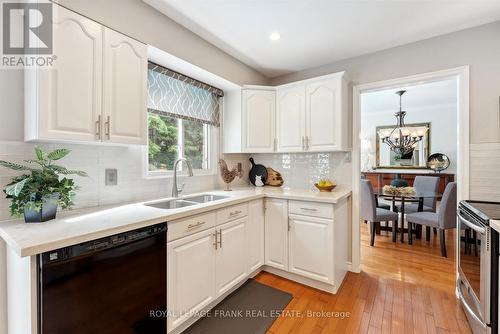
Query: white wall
x=478 y=47
x=443 y=133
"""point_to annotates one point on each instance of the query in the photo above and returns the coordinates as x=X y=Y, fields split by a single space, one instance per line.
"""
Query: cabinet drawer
x=232 y=213
x=186 y=226
x=313 y=209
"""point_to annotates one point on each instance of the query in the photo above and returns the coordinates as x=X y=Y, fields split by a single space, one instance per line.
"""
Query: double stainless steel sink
x=177 y=203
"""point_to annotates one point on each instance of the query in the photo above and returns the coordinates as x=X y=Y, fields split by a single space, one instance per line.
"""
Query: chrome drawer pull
x=234 y=213
x=220 y=238
x=309 y=209
x=198 y=224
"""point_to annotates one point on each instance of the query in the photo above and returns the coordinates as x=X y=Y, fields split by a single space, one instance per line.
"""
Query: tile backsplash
x=95 y=159
x=302 y=170
x=299 y=170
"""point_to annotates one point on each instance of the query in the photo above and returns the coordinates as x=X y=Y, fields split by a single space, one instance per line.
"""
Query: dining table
x=406 y=198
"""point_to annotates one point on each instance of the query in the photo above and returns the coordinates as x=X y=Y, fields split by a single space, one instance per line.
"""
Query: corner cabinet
x=276 y=237
x=94 y=92
x=255 y=235
x=326 y=115
x=258 y=120
x=305 y=116
x=290 y=119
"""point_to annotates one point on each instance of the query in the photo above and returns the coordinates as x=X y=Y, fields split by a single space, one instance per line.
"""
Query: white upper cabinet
x=64 y=102
x=94 y=92
x=304 y=116
x=290 y=119
x=125 y=89
x=326 y=115
x=258 y=120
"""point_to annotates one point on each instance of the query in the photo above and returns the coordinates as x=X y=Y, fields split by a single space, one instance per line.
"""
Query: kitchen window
x=183 y=116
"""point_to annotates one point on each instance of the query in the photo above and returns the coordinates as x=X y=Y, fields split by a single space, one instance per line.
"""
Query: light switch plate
x=111 y=177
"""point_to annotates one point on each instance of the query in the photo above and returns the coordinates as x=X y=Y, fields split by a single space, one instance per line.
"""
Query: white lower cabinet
x=311 y=247
x=230 y=266
x=190 y=275
x=276 y=238
x=299 y=240
x=255 y=235
x=202 y=267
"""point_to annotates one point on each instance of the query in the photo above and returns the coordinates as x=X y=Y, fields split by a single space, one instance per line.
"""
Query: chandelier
x=401 y=140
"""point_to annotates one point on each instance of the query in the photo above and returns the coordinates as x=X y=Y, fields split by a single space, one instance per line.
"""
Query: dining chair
x=370 y=213
x=423 y=184
x=445 y=218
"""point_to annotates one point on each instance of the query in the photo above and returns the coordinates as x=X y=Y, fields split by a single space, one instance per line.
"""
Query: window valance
x=174 y=94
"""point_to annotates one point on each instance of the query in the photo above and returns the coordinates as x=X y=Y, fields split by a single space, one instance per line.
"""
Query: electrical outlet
x=348 y=157
x=111 y=177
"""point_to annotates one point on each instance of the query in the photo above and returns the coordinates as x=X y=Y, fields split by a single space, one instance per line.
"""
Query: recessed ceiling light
x=274 y=36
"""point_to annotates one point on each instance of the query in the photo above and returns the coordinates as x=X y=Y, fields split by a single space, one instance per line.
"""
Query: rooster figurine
x=229 y=175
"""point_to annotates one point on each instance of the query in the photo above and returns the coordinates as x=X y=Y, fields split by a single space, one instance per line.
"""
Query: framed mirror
x=386 y=158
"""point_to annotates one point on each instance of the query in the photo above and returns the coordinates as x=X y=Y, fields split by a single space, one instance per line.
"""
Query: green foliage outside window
x=163 y=147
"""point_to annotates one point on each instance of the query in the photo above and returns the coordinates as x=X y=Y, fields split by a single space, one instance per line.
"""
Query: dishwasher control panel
x=65 y=253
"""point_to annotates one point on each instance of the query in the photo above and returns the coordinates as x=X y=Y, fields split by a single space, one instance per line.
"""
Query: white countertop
x=81 y=225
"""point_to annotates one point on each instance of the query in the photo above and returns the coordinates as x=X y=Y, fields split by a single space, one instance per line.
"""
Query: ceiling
x=439 y=93
x=318 y=32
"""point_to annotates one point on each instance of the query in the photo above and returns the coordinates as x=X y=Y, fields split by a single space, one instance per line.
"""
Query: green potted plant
x=37 y=194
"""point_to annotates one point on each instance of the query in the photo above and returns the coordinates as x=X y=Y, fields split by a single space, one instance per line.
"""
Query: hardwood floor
x=401 y=289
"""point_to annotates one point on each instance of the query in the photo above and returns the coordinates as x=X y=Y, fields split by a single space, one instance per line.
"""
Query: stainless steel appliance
x=477 y=283
x=110 y=285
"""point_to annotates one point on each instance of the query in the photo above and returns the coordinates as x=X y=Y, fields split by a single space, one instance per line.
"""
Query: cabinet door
x=125 y=89
x=69 y=94
x=290 y=119
x=276 y=233
x=255 y=235
x=190 y=275
x=311 y=247
x=230 y=265
x=323 y=108
x=258 y=111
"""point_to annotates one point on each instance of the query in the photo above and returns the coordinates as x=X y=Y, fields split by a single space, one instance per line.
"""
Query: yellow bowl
x=325 y=188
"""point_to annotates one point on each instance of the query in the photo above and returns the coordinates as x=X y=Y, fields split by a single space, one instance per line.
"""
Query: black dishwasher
x=110 y=285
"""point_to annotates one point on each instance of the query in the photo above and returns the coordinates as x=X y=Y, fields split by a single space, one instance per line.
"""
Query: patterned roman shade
x=173 y=94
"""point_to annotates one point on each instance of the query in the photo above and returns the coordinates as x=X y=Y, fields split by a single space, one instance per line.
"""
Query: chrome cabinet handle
x=234 y=213
x=307 y=142
x=303 y=143
x=107 y=124
x=220 y=238
x=98 y=127
x=198 y=224
x=275 y=144
x=215 y=240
